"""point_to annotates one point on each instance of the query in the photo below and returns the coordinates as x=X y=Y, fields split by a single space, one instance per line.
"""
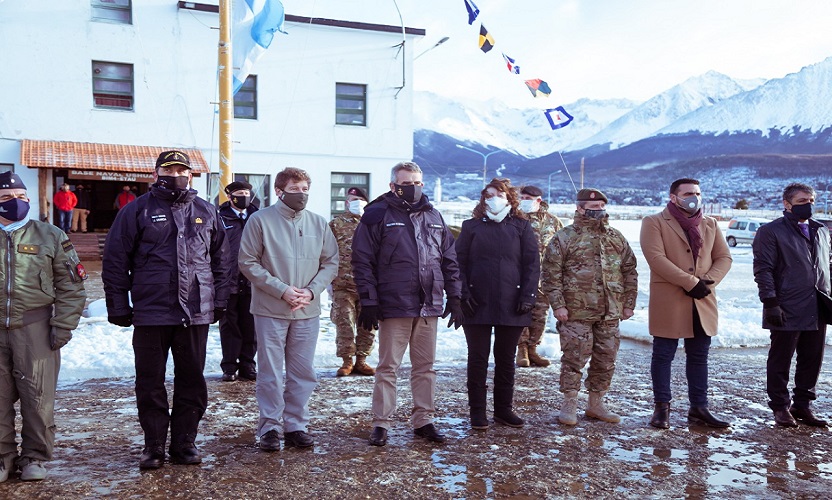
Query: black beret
x=590 y=194
x=236 y=186
x=531 y=191
x=10 y=180
x=173 y=157
x=357 y=191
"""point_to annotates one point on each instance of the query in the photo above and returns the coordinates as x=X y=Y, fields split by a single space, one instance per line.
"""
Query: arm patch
x=67 y=245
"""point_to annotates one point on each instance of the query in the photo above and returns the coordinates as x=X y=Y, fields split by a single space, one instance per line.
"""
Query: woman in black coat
x=500 y=267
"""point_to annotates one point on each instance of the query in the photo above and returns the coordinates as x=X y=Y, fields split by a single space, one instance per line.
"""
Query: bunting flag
x=486 y=40
x=254 y=23
x=512 y=66
x=560 y=119
x=538 y=88
x=473 y=11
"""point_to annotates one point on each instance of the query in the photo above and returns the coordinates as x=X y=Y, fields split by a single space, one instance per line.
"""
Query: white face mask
x=495 y=204
x=527 y=206
x=357 y=207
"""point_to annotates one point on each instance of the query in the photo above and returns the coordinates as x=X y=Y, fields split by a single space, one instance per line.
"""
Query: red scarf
x=690 y=225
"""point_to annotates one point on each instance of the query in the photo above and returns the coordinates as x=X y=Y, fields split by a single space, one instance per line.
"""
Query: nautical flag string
x=538 y=88
x=254 y=23
x=486 y=40
x=513 y=67
x=473 y=11
x=560 y=119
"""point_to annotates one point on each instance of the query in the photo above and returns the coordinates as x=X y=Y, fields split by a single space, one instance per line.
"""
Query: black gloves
x=469 y=306
x=126 y=320
x=524 y=307
x=453 y=307
x=58 y=337
x=219 y=313
x=368 y=318
x=774 y=316
x=701 y=290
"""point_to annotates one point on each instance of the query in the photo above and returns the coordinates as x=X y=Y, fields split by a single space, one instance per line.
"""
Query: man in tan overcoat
x=688 y=258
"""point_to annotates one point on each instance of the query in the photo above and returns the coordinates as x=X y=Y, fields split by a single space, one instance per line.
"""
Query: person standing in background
x=124 y=197
x=82 y=209
x=65 y=202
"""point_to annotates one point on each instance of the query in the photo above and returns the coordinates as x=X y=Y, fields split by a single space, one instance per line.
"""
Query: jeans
x=65 y=220
x=809 y=346
x=696 y=365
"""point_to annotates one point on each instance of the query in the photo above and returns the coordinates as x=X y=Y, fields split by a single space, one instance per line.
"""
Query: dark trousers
x=237 y=335
x=478 y=338
x=809 y=346
x=696 y=365
x=151 y=345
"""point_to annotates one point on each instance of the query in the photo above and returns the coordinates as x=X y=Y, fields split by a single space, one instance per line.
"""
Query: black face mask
x=241 y=202
x=178 y=183
x=803 y=212
x=14 y=209
x=295 y=201
x=595 y=214
x=411 y=194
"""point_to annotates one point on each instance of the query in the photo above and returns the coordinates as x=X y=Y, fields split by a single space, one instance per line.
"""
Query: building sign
x=106 y=175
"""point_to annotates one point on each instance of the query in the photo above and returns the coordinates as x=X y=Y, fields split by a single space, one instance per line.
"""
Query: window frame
x=338 y=190
x=340 y=110
x=102 y=6
x=252 y=89
x=111 y=94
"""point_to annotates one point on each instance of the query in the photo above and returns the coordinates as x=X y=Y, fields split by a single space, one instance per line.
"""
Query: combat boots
x=361 y=367
x=569 y=410
x=523 y=355
x=596 y=409
x=346 y=368
x=536 y=359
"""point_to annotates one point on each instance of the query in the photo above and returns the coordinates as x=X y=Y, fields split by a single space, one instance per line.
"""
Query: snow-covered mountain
x=801 y=100
x=696 y=93
x=522 y=131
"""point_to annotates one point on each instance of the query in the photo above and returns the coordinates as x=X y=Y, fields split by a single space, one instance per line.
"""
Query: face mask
x=357 y=207
x=411 y=194
x=595 y=214
x=527 y=206
x=496 y=204
x=691 y=204
x=295 y=201
x=14 y=209
x=178 y=183
x=241 y=202
x=802 y=212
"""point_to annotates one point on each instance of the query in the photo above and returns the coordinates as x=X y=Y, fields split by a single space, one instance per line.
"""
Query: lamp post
x=437 y=44
x=549 y=196
x=484 y=160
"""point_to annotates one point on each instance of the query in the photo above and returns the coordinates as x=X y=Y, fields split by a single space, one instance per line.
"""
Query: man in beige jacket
x=290 y=256
x=688 y=257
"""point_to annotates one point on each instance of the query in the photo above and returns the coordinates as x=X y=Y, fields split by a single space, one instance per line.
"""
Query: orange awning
x=93 y=156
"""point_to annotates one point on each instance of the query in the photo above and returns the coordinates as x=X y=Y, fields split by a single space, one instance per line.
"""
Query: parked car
x=743 y=230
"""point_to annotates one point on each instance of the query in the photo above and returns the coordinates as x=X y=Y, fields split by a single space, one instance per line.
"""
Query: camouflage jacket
x=544 y=225
x=343 y=227
x=590 y=269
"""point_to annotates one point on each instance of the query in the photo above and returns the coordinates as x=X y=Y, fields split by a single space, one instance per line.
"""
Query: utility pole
x=582 y=173
x=226 y=99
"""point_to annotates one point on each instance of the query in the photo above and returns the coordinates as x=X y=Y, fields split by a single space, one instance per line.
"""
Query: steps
x=89 y=246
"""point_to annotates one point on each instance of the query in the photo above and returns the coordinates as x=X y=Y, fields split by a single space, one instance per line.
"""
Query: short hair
x=796 y=187
x=291 y=174
x=678 y=182
x=403 y=165
x=503 y=185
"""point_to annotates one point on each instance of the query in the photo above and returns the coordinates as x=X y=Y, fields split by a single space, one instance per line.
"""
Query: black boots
x=784 y=418
x=701 y=415
x=153 y=457
x=378 y=437
x=805 y=416
x=661 y=416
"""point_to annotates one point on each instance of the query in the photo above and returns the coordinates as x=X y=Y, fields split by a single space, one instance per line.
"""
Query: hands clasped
x=298 y=298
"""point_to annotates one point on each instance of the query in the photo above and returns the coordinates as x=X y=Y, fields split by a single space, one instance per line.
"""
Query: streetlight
x=550 y=184
x=484 y=160
x=437 y=44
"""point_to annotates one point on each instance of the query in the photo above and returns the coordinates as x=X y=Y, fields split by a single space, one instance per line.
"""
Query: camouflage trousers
x=593 y=341
x=350 y=339
x=533 y=334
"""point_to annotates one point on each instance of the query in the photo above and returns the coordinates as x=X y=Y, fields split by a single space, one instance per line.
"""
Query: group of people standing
x=173 y=264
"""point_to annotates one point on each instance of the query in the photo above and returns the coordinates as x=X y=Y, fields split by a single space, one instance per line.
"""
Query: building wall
x=174 y=54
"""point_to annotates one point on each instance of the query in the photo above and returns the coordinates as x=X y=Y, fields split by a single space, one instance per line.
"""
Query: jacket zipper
x=9 y=270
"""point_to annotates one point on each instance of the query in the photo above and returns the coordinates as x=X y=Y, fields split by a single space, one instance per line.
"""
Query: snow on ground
x=101 y=350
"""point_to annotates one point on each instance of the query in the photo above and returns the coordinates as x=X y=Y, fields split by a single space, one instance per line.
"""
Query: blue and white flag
x=558 y=117
x=511 y=64
x=254 y=23
x=473 y=11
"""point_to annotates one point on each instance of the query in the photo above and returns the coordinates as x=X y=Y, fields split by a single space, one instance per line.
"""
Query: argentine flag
x=253 y=25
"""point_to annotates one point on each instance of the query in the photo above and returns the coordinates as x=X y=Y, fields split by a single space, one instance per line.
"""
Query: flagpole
x=226 y=72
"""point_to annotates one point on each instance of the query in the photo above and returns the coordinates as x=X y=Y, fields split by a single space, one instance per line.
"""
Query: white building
x=93 y=89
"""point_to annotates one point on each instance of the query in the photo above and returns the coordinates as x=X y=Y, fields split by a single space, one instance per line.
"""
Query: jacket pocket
x=47 y=286
x=153 y=289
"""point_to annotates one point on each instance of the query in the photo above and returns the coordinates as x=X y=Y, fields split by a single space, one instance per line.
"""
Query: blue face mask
x=14 y=209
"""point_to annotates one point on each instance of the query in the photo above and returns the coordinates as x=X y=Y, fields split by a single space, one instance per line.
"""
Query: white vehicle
x=743 y=230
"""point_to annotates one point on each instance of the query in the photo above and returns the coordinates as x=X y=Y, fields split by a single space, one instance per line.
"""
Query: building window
x=261 y=188
x=340 y=183
x=245 y=100
x=114 y=11
x=112 y=85
x=350 y=104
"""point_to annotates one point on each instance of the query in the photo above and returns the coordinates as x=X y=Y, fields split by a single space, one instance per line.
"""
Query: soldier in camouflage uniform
x=589 y=275
x=351 y=339
x=545 y=225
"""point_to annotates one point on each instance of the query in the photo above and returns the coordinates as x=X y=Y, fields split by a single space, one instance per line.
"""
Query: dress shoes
x=153 y=457
x=378 y=437
x=270 y=441
x=805 y=416
x=430 y=433
x=298 y=439
x=185 y=454
x=784 y=418
x=247 y=375
x=229 y=377
x=701 y=415
x=661 y=416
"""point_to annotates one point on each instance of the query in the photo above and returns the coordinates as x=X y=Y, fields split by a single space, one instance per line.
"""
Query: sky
x=597 y=49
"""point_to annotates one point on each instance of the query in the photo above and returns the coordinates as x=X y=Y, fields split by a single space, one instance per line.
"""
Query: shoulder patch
x=67 y=245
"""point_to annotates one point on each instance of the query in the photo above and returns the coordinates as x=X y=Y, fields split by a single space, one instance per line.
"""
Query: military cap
x=357 y=191
x=10 y=180
x=531 y=191
x=236 y=186
x=173 y=157
x=590 y=194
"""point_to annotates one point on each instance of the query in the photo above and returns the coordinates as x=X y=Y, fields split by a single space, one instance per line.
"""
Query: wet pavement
x=99 y=443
